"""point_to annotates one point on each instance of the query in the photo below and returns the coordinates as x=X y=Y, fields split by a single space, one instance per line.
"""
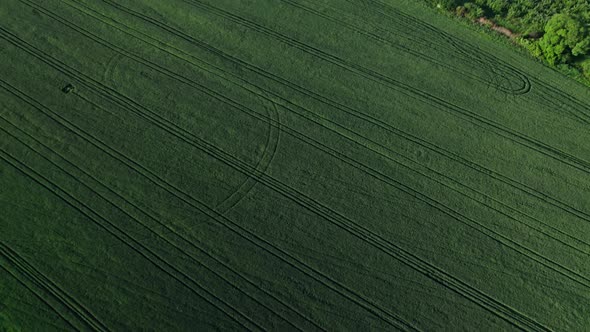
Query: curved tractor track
x=284 y=165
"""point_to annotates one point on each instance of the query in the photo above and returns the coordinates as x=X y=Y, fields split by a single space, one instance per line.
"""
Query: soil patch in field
x=505 y=31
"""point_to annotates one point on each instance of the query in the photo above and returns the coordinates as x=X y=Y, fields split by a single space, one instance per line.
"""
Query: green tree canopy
x=586 y=68
x=565 y=37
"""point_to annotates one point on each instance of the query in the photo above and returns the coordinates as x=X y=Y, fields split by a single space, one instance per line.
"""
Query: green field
x=193 y=165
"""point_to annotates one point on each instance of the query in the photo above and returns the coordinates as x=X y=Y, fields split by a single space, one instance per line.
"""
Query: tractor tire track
x=498 y=68
x=525 y=88
x=270 y=149
x=455 y=110
x=497 y=308
x=492 y=236
x=121 y=235
x=76 y=315
x=550 y=96
x=168 y=229
x=328 y=217
x=463 y=47
x=351 y=295
x=580 y=109
x=388 y=156
x=544 y=261
x=491 y=81
x=355 y=113
x=267 y=155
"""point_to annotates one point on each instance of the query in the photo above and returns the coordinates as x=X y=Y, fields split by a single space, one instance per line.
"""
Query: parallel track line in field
x=551 y=267
x=481 y=201
x=77 y=316
x=478 y=226
x=381 y=147
x=456 y=285
x=111 y=228
x=234 y=227
x=168 y=229
x=266 y=159
x=397 y=85
x=525 y=88
x=357 y=114
x=581 y=110
x=45 y=283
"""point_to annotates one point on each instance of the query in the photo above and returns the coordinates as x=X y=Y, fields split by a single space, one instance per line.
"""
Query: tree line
x=556 y=31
